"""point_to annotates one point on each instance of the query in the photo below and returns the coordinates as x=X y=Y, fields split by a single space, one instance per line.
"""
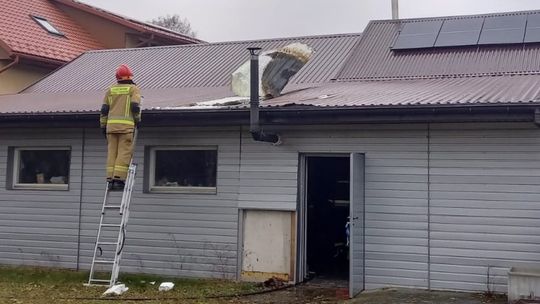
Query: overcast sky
x=225 y=20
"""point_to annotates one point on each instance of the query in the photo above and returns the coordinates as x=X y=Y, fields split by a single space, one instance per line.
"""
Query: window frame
x=43 y=22
x=15 y=163
x=151 y=188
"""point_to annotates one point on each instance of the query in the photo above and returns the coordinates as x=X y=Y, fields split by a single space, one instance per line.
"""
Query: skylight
x=47 y=25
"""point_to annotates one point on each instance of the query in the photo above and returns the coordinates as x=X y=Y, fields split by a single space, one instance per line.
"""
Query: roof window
x=47 y=25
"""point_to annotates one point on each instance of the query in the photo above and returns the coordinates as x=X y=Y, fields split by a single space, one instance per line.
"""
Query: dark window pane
x=185 y=168
x=43 y=167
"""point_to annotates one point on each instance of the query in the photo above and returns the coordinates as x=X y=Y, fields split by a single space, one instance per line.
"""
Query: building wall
x=112 y=35
x=40 y=227
x=444 y=202
x=19 y=76
x=396 y=189
x=172 y=234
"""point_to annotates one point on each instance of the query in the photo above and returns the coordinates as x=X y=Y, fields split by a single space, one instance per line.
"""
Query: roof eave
x=294 y=116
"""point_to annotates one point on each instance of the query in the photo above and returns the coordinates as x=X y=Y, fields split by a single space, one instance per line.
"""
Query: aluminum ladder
x=111 y=234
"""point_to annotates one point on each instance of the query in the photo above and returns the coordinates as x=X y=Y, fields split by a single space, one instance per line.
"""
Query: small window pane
x=185 y=168
x=47 y=25
x=43 y=167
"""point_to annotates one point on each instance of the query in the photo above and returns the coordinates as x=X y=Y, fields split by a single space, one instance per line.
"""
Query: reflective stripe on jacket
x=120 y=117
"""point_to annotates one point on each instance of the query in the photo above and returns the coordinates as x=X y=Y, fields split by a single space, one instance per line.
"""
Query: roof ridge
x=427 y=77
x=325 y=36
x=469 y=16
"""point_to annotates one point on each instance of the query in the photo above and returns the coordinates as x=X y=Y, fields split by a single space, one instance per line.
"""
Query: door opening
x=327 y=216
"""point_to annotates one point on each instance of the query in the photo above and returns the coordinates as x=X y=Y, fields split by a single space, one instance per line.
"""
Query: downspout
x=254 y=123
x=9 y=66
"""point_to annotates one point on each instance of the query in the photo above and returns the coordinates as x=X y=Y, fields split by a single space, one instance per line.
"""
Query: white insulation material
x=241 y=77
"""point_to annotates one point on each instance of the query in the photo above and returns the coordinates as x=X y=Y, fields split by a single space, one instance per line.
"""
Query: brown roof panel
x=493 y=90
x=499 y=90
x=198 y=65
x=374 y=58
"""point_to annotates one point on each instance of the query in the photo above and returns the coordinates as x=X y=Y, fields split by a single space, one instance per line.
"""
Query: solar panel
x=532 y=33
x=503 y=29
x=416 y=35
x=460 y=32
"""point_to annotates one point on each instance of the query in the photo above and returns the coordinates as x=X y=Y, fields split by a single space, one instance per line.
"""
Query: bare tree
x=175 y=23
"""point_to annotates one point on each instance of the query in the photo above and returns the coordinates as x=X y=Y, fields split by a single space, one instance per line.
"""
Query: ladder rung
x=103 y=261
x=106 y=243
x=112 y=207
x=111 y=225
x=100 y=280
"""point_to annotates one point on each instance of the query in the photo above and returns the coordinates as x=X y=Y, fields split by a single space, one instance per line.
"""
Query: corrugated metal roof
x=507 y=90
x=373 y=58
x=200 y=65
x=494 y=90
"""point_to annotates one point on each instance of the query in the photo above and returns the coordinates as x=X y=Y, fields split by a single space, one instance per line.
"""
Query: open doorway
x=327 y=211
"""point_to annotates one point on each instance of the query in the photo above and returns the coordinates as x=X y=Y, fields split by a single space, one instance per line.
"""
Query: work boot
x=109 y=183
x=118 y=185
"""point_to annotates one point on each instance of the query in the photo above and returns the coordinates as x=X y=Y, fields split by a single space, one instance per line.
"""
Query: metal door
x=356 y=225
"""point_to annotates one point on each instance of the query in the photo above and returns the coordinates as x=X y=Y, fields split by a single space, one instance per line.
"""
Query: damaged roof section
x=195 y=66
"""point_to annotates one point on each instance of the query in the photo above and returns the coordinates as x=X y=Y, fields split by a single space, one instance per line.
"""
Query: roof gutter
x=11 y=64
x=293 y=116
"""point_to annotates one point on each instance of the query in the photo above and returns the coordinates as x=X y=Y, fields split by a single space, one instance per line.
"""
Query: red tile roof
x=24 y=36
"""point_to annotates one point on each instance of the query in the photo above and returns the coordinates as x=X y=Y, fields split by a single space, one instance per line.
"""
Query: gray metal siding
x=396 y=189
x=482 y=203
x=40 y=227
x=485 y=194
x=171 y=234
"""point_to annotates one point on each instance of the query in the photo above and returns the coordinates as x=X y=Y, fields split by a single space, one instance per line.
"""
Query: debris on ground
x=274 y=282
x=116 y=290
x=166 y=286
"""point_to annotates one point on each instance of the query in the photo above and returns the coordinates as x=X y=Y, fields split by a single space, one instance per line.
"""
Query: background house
x=38 y=36
x=429 y=146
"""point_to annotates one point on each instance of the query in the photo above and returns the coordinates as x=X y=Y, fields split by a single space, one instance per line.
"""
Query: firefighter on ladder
x=120 y=115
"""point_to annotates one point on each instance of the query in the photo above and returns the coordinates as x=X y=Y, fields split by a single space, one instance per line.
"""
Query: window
x=47 y=25
x=183 y=169
x=40 y=168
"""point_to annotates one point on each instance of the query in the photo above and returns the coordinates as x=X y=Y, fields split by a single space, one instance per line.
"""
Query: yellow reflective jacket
x=121 y=108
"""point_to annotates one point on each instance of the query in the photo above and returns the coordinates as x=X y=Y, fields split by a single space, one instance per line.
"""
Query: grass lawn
x=47 y=285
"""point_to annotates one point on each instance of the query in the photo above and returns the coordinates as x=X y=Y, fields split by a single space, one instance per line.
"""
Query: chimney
x=395 y=9
x=254 y=123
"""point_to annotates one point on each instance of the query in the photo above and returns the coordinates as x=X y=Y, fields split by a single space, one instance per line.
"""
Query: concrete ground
x=322 y=292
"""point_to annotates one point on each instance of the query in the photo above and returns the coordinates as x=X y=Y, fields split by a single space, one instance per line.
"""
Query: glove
x=104 y=132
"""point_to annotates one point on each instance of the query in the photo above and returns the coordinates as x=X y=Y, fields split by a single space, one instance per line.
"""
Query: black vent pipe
x=254 y=124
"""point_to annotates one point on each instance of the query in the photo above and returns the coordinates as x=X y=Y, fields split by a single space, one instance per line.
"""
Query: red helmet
x=123 y=72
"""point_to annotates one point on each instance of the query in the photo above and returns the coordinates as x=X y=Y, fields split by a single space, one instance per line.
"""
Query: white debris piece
x=116 y=290
x=299 y=50
x=241 y=77
x=166 y=286
x=276 y=67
